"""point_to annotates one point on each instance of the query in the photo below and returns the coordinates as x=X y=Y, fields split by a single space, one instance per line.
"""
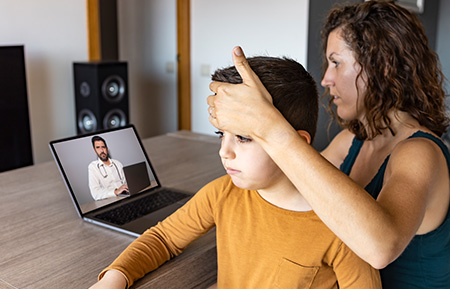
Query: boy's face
x=248 y=165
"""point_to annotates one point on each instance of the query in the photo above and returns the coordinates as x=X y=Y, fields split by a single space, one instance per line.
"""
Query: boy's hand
x=112 y=279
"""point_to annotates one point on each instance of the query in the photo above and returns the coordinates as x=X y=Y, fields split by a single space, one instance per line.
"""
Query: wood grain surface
x=44 y=244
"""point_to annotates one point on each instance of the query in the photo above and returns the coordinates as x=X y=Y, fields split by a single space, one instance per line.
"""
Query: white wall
x=261 y=27
x=54 y=35
x=147 y=36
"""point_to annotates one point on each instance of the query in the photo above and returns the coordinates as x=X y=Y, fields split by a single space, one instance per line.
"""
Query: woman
x=387 y=87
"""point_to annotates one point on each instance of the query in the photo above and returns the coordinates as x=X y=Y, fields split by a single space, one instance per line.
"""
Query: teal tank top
x=425 y=263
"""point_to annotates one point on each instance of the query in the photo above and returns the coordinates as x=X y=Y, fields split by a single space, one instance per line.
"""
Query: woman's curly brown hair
x=403 y=73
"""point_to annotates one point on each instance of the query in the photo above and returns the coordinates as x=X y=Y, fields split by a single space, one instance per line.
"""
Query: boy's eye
x=242 y=139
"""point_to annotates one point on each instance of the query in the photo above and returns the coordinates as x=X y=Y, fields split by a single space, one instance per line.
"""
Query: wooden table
x=44 y=244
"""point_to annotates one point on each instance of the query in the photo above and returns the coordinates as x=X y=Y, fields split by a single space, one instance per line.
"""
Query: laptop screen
x=92 y=174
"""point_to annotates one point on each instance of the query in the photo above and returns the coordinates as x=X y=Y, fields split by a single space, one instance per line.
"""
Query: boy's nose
x=226 y=150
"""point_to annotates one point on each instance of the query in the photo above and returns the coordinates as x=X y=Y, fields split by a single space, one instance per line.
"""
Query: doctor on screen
x=106 y=177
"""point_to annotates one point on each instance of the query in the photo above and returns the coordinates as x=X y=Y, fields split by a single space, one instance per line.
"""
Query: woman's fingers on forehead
x=214 y=122
x=210 y=100
x=221 y=87
x=213 y=86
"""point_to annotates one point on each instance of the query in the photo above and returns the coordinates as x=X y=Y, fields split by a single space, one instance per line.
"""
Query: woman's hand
x=242 y=109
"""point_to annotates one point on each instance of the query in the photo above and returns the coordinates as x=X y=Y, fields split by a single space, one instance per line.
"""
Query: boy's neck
x=286 y=196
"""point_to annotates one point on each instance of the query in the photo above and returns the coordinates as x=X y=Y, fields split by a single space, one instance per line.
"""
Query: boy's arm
x=168 y=238
x=353 y=273
x=112 y=279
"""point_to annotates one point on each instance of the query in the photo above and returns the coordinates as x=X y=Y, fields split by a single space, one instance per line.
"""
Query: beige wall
x=54 y=35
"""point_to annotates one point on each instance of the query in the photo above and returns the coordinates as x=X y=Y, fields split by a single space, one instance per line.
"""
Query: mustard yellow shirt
x=259 y=245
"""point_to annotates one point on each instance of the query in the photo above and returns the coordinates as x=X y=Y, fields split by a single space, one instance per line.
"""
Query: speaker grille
x=85 y=89
x=101 y=95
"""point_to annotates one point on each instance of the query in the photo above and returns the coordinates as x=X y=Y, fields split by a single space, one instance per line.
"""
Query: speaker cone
x=113 y=88
x=114 y=118
x=85 y=89
x=87 y=122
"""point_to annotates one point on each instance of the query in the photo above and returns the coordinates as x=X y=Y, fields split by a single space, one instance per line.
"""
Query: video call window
x=79 y=161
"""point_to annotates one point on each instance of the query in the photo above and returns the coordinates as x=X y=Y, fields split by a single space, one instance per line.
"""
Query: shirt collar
x=101 y=163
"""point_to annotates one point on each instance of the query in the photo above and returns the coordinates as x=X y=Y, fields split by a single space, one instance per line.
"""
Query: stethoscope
x=105 y=173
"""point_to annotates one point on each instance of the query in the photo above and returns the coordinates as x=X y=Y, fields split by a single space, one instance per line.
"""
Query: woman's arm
x=378 y=231
x=338 y=148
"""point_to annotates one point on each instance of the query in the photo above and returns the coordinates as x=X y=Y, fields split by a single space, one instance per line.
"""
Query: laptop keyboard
x=144 y=206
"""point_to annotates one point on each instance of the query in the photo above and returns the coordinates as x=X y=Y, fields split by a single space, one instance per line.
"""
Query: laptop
x=147 y=202
x=137 y=178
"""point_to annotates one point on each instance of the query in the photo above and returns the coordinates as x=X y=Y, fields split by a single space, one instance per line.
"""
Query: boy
x=267 y=235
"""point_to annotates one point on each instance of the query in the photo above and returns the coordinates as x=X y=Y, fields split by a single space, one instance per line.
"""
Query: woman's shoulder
x=421 y=142
x=421 y=151
x=338 y=148
x=420 y=165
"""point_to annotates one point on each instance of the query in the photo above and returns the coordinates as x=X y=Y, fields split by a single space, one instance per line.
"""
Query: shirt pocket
x=294 y=275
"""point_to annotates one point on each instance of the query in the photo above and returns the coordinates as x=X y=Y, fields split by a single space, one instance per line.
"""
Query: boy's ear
x=304 y=134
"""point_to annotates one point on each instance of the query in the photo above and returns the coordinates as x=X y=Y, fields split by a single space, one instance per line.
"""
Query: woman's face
x=340 y=78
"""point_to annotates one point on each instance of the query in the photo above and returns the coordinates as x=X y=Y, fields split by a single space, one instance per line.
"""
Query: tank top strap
x=353 y=151
x=437 y=141
x=376 y=183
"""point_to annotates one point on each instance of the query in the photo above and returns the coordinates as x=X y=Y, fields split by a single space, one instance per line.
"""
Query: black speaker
x=15 y=143
x=101 y=95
